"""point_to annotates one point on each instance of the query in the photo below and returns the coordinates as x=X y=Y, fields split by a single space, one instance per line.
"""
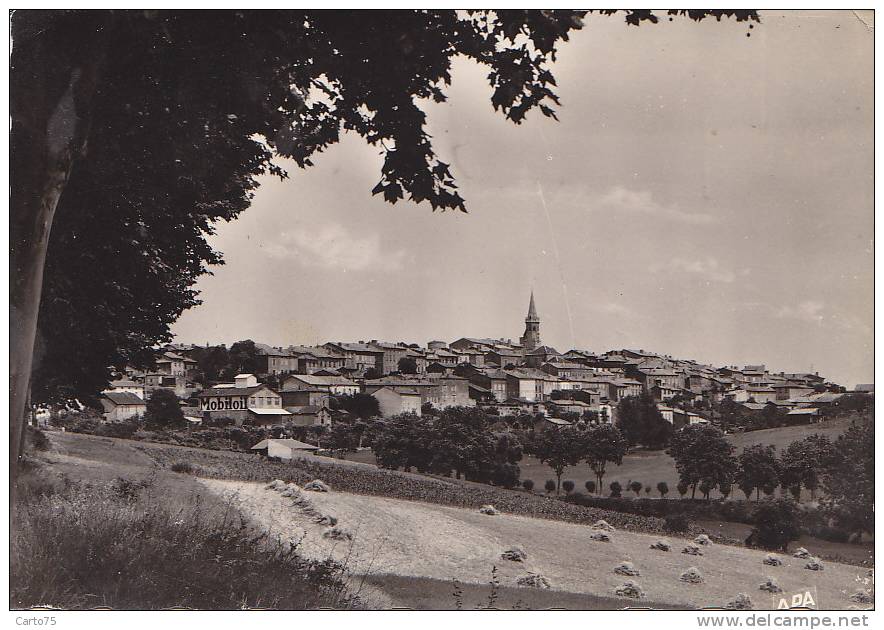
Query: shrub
x=676 y=523
x=568 y=486
x=590 y=486
x=125 y=429
x=636 y=486
x=682 y=488
x=37 y=439
x=776 y=524
x=663 y=489
x=549 y=486
x=182 y=467
x=647 y=489
x=528 y=484
x=616 y=488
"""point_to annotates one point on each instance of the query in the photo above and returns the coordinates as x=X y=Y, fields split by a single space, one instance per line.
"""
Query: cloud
x=807 y=311
x=642 y=202
x=707 y=268
x=332 y=246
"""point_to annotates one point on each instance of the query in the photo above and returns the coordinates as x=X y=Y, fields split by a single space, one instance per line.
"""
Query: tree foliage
x=702 y=453
x=776 y=523
x=641 y=422
x=759 y=468
x=359 y=405
x=407 y=365
x=849 y=478
x=559 y=448
x=163 y=410
x=603 y=444
x=804 y=461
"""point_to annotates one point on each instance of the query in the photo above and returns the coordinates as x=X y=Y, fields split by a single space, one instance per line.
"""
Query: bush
x=676 y=523
x=125 y=429
x=568 y=486
x=682 y=488
x=616 y=488
x=636 y=486
x=528 y=484
x=549 y=486
x=663 y=489
x=590 y=486
x=36 y=439
x=776 y=522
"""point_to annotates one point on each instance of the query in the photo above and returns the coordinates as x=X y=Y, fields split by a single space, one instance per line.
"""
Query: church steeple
x=531 y=339
x=532 y=311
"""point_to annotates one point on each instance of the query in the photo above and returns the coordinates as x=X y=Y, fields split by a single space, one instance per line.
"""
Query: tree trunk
x=52 y=82
x=693 y=491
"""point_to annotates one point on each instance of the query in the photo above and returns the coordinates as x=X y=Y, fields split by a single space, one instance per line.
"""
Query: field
x=652 y=467
x=417 y=539
x=421 y=540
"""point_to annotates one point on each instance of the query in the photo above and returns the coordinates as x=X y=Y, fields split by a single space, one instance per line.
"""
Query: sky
x=704 y=194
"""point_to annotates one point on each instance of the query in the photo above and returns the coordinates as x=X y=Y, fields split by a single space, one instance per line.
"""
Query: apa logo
x=802 y=600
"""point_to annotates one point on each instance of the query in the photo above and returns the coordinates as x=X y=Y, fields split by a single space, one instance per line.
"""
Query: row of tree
x=459 y=440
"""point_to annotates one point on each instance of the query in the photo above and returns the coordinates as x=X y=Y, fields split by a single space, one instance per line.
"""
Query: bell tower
x=531 y=339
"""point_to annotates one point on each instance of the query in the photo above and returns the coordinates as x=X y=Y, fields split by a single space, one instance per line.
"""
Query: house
x=566 y=369
x=272 y=360
x=337 y=385
x=395 y=401
x=490 y=379
x=864 y=388
x=126 y=385
x=761 y=393
x=245 y=401
x=309 y=415
x=662 y=392
x=304 y=397
x=314 y=359
x=803 y=414
x=650 y=376
x=360 y=356
x=667 y=412
x=788 y=390
x=540 y=355
x=547 y=422
x=564 y=405
x=174 y=364
x=440 y=390
x=119 y=406
x=284 y=449
x=177 y=383
x=503 y=358
x=392 y=353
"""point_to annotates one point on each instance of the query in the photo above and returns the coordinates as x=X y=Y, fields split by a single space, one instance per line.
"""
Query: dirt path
x=392 y=536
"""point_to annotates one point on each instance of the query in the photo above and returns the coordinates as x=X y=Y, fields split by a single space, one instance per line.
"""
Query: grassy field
x=98 y=524
x=652 y=467
x=443 y=543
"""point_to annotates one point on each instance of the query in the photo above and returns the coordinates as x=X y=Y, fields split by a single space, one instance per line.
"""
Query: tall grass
x=121 y=545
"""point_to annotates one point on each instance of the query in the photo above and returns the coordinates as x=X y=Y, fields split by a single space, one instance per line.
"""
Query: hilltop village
x=297 y=385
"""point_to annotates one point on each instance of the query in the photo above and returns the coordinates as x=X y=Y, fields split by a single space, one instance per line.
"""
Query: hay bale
x=325 y=519
x=316 y=486
x=336 y=533
x=661 y=545
x=626 y=568
x=630 y=589
x=770 y=586
x=692 y=576
x=534 y=580
x=862 y=596
x=692 y=550
x=291 y=490
x=772 y=560
x=802 y=553
x=600 y=537
x=703 y=539
x=814 y=564
x=489 y=510
x=276 y=484
x=740 y=602
x=604 y=526
x=515 y=554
